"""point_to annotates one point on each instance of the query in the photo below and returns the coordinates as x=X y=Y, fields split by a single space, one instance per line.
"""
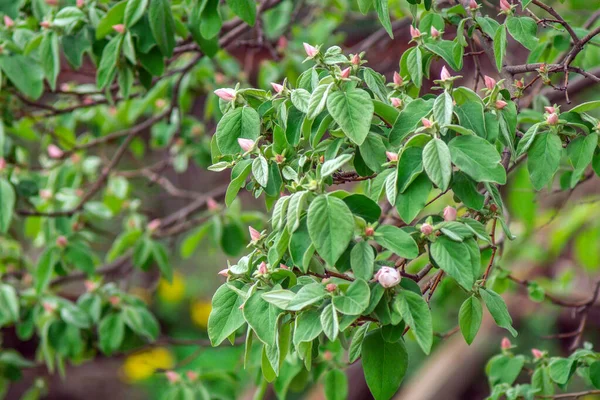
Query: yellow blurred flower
x=142 y=365
x=200 y=311
x=172 y=292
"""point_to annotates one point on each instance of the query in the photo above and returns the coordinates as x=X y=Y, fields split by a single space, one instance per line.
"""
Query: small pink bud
x=449 y=213
x=473 y=5
x=226 y=94
x=172 y=376
x=154 y=225
x=327 y=355
x=388 y=277
x=45 y=24
x=241 y=307
x=45 y=194
x=519 y=84
x=224 y=272
x=246 y=144
x=282 y=43
x=355 y=59
x=505 y=344
x=283 y=266
x=397 y=79
x=550 y=110
x=500 y=104
x=62 y=242
x=279 y=158
x=8 y=21
x=88 y=101
x=262 y=268
x=537 y=354
x=211 y=204
x=490 y=83
x=331 y=287
x=80 y=3
x=369 y=231
x=311 y=51
x=90 y=286
x=396 y=102
x=434 y=32
x=54 y=151
x=426 y=229
x=114 y=300
x=414 y=32
x=505 y=6
x=192 y=376
x=120 y=28
x=552 y=119
x=426 y=123
x=2 y=163
x=254 y=234
x=345 y=73
x=160 y=103
x=277 y=87
x=49 y=308
x=444 y=74
x=52 y=2
x=391 y=156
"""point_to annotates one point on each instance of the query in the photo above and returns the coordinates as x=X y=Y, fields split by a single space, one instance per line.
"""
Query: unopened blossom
x=426 y=123
x=396 y=102
x=80 y=3
x=62 y=241
x=54 y=151
x=282 y=43
x=391 y=156
x=224 y=272
x=397 y=79
x=262 y=268
x=48 y=307
x=192 y=376
x=153 y=225
x=226 y=94
x=277 y=87
x=519 y=84
x=172 y=376
x=449 y=213
x=355 y=59
x=211 y=204
x=345 y=73
x=114 y=301
x=550 y=110
x=52 y=2
x=426 y=229
x=254 y=234
x=2 y=163
x=434 y=32
x=246 y=144
x=120 y=28
x=415 y=32
x=552 y=119
x=311 y=51
x=369 y=231
x=8 y=21
x=46 y=194
x=388 y=277
x=331 y=287
x=500 y=104
x=537 y=354
x=505 y=344
x=283 y=266
x=45 y=24
x=279 y=158
x=444 y=74
x=473 y=5
x=505 y=6
x=490 y=82
x=90 y=286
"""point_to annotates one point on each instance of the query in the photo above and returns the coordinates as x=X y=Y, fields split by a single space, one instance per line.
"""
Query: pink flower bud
x=254 y=234
x=396 y=102
x=262 y=268
x=114 y=300
x=241 y=307
x=426 y=229
x=434 y=32
x=550 y=110
x=62 y=242
x=355 y=59
x=444 y=74
x=283 y=266
x=327 y=355
x=45 y=194
x=90 y=286
x=49 y=308
x=45 y=24
x=552 y=119
x=55 y=152
x=224 y=272
x=388 y=277
x=311 y=51
x=473 y=5
x=2 y=163
x=331 y=287
x=172 y=376
x=246 y=144
x=8 y=21
x=414 y=32
x=500 y=104
x=345 y=73
x=192 y=376
x=490 y=83
x=277 y=87
x=391 y=156
x=505 y=344
x=369 y=231
x=80 y=3
x=226 y=94
x=519 y=84
x=154 y=225
x=120 y=28
x=449 y=213
x=505 y=6
x=426 y=123
x=397 y=79
x=211 y=204
x=52 y=2
x=282 y=43
x=537 y=354
x=279 y=158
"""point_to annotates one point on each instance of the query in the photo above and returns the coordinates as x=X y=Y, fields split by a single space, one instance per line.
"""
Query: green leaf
x=260 y=170
x=245 y=9
x=225 y=317
x=410 y=203
x=160 y=256
x=362 y=258
x=443 y=110
x=300 y=99
x=262 y=317
x=50 y=57
x=140 y=321
x=7 y=204
x=352 y=110
x=500 y=46
x=384 y=365
x=471 y=117
x=561 y=369
x=583 y=107
x=330 y=166
x=162 y=25
x=108 y=62
x=415 y=66
x=451 y=257
x=318 y=100
x=410 y=165
x=134 y=11
x=469 y=318
x=242 y=122
x=543 y=159
x=355 y=300
x=523 y=30
x=540 y=381
x=381 y=6
x=45 y=268
x=595 y=374
x=307 y=326
x=331 y=227
x=113 y=17
x=504 y=369
x=415 y=313
x=362 y=206
x=306 y=296
x=437 y=163
x=527 y=139
x=357 y=340
x=111 y=332
x=336 y=385
x=329 y=322
x=9 y=301
x=497 y=307
x=408 y=119
x=449 y=50
x=581 y=151
x=372 y=152
x=477 y=158
x=397 y=240
x=25 y=73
